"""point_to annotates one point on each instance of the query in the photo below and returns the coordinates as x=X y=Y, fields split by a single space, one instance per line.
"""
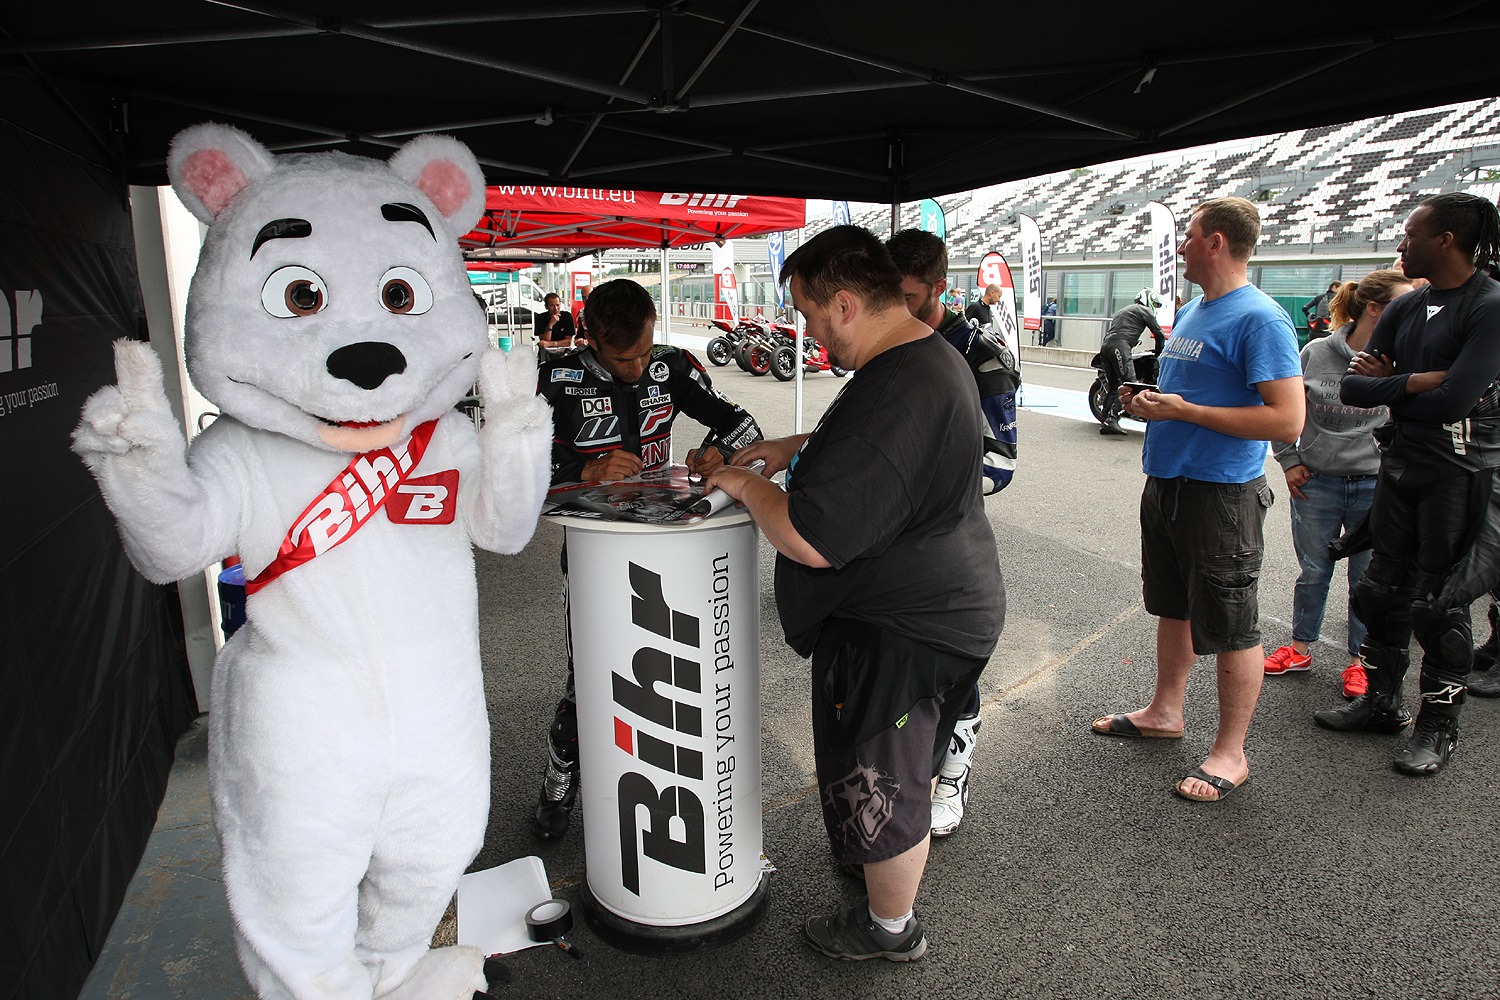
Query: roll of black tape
x=549 y=921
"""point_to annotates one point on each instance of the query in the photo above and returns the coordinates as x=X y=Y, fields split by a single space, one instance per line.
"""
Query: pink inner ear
x=212 y=176
x=445 y=184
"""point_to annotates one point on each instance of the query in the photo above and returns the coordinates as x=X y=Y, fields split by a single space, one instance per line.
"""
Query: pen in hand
x=708 y=439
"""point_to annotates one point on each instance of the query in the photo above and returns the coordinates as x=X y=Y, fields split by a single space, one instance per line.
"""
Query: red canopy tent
x=540 y=224
x=546 y=224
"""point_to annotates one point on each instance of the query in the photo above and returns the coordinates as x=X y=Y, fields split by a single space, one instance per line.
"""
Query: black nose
x=367 y=365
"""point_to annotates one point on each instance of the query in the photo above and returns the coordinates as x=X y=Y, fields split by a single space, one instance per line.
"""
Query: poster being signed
x=663 y=496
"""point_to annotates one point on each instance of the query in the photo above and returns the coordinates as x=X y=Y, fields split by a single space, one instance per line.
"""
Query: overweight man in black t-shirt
x=886 y=575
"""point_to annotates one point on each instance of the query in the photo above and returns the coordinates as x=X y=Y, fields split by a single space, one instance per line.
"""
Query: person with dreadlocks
x=1433 y=358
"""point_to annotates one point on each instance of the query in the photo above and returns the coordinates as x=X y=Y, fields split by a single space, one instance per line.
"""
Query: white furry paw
x=131 y=416
x=454 y=973
x=508 y=387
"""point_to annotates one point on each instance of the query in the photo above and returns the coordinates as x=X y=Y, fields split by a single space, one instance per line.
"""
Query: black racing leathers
x=593 y=413
x=1436 y=477
x=1124 y=333
x=1134 y=320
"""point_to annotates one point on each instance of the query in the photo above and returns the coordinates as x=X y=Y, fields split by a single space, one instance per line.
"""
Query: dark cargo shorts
x=1201 y=548
x=883 y=711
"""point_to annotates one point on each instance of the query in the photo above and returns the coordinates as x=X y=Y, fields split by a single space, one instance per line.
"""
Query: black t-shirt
x=1437 y=430
x=885 y=490
x=563 y=329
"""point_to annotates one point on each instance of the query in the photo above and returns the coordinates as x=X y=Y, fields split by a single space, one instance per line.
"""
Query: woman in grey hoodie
x=1330 y=472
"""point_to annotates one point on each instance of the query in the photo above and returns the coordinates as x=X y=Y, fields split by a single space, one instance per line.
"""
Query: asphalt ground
x=1076 y=873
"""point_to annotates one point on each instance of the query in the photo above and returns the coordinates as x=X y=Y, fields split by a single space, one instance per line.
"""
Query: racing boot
x=952 y=792
x=1112 y=414
x=1485 y=682
x=1435 y=736
x=1379 y=709
x=554 y=806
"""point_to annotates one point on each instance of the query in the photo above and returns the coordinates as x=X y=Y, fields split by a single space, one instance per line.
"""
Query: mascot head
x=330 y=302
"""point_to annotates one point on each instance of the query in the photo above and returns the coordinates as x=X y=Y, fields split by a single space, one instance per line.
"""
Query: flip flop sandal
x=1120 y=725
x=1223 y=785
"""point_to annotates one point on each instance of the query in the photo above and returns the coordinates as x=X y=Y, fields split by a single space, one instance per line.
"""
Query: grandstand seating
x=1332 y=188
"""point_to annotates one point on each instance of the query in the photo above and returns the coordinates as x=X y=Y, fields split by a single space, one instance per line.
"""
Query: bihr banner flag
x=1164 y=263
x=993 y=270
x=1031 y=261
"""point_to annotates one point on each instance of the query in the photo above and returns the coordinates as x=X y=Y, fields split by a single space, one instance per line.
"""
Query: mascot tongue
x=363 y=435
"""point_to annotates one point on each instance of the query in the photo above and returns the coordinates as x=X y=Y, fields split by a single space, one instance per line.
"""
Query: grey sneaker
x=849 y=933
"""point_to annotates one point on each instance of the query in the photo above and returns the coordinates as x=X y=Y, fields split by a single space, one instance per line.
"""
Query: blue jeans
x=1333 y=503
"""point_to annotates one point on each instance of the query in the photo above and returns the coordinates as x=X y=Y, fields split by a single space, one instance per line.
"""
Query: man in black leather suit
x=1124 y=333
x=613 y=405
x=1433 y=358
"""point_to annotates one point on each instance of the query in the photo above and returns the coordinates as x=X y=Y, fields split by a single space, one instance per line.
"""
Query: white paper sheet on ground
x=492 y=905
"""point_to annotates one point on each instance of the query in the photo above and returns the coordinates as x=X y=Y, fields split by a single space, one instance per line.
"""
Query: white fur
x=349 y=748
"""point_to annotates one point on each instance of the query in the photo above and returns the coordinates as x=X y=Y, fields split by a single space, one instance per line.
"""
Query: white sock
x=896 y=926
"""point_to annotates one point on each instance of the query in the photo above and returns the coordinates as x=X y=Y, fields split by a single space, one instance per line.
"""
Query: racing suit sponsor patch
x=598 y=430
x=653 y=420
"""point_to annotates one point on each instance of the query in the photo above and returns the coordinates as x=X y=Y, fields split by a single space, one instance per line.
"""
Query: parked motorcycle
x=1145 y=371
x=815 y=359
x=756 y=353
x=722 y=348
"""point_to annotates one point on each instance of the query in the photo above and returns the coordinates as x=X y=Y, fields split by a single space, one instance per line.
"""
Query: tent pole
x=666 y=300
x=797 y=411
x=792 y=315
x=895 y=216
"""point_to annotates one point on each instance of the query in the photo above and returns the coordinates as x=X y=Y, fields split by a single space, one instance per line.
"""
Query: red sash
x=347 y=504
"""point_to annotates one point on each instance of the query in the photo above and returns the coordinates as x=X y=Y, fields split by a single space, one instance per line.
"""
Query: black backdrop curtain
x=94 y=689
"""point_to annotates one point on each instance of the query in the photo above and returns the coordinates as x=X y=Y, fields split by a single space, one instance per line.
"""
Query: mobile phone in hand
x=1138 y=386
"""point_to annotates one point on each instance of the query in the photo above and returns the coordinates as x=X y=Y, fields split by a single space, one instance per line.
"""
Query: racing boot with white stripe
x=554 y=806
x=952 y=792
x=1435 y=736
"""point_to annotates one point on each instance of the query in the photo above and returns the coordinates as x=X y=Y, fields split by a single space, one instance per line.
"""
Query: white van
x=514 y=303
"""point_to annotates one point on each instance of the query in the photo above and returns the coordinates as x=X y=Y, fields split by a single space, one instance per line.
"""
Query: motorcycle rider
x=613 y=404
x=1124 y=333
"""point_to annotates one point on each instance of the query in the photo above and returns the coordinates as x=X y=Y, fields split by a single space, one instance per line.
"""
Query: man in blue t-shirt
x=1230 y=381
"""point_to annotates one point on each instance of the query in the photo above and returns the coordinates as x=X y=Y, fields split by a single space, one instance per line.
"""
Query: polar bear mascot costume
x=332 y=323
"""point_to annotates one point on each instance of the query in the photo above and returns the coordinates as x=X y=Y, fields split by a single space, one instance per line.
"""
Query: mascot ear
x=445 y=171
x=209 y=165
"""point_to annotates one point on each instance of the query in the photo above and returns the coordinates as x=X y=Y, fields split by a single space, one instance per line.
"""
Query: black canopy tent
x=873 y=101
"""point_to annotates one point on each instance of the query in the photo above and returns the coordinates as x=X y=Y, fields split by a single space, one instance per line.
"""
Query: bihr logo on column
x=671 y=784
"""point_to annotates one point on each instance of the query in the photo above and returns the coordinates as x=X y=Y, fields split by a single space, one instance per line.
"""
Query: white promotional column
x=666 y=650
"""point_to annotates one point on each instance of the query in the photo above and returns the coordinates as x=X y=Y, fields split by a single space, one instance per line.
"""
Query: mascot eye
x=404 y=291
x=293 y=291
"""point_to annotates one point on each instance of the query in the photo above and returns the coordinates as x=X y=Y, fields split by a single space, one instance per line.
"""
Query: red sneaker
x=1355 y=682
x=1287 y=660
